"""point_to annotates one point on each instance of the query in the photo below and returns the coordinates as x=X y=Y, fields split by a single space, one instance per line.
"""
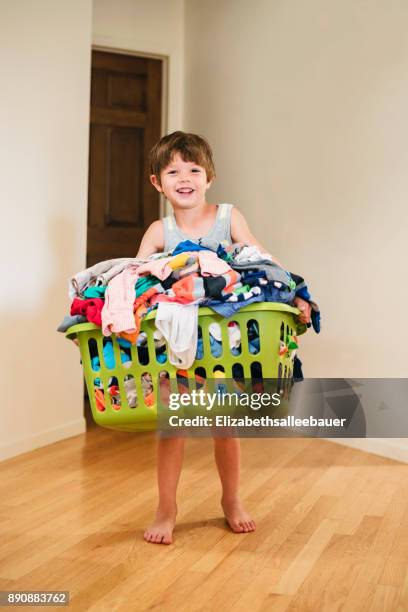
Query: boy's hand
x=305 y=309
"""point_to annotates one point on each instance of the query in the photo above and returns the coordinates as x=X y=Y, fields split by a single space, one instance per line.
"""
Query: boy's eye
x=171 y=172
x=196 y=170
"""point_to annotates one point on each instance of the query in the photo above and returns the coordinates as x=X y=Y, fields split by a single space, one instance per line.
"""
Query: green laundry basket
x=277 y=323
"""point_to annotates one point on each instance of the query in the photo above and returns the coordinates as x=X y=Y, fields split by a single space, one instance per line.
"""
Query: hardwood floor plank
x=332 y=527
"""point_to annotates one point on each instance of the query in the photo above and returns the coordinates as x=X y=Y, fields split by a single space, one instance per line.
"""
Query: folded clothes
x=99 y=274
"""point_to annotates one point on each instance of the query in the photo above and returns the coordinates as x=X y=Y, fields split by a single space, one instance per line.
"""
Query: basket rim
x=72 y=331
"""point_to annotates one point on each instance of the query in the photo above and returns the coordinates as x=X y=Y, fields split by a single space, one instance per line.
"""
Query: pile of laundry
x=117 y=294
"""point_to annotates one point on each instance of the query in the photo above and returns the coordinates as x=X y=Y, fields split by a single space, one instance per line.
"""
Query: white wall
x=305 y=106
x=45 y=57
x=155 y=27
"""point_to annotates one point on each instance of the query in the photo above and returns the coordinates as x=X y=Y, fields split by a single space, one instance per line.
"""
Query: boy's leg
x=227 y=457
x=169 y=461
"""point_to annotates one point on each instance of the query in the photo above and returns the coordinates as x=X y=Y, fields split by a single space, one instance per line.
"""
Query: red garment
x=91 y=309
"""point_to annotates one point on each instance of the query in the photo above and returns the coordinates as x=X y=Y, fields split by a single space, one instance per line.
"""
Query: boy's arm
x=152 y=241
x=240 y=232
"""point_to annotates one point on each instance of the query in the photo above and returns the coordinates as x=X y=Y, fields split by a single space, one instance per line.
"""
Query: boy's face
x=183 y=183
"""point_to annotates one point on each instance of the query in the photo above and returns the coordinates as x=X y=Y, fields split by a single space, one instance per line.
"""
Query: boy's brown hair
x=191 y=147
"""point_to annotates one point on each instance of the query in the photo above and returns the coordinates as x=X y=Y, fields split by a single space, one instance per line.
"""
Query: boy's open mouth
x=185 y=190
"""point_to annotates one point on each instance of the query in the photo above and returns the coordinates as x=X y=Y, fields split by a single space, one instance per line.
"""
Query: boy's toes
x=237 y=527
x=167 y=539
x=147 y=536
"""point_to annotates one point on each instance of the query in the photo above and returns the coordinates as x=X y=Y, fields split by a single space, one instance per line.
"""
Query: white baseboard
x=393 y=448
x=49 y=436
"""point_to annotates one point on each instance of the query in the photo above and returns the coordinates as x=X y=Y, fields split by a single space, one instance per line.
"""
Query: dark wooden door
x=125 y=124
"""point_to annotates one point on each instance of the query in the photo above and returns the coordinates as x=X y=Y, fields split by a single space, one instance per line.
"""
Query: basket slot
x=253 y=336
x=105 y=379
x=183 y=385
x=200 y=346
x=282 y=332
x=235 y=338
x=238 y=372
x=257 y=377
x=147 y=386
x=164 y=387
x=128 y=392
x=98 y=395
x=279 y=381
x=217 y=339
x=93 y=353
x=200 y=376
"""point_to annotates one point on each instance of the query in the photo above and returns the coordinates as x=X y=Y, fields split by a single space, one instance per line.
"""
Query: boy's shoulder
x=156 y=231
x=152 y=240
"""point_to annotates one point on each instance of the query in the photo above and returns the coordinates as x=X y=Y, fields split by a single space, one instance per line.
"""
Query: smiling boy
x=182 y=169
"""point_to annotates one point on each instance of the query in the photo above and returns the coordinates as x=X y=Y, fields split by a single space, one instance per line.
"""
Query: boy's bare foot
x=237 y=518
x=161 y=530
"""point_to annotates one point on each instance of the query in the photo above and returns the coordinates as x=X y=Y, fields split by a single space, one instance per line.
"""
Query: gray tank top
x=221 y=230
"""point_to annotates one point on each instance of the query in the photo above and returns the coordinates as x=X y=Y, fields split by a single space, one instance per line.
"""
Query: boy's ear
x=156 y=183
x=209 y=183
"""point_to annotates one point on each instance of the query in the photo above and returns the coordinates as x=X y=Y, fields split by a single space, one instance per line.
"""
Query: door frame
x=165 y=94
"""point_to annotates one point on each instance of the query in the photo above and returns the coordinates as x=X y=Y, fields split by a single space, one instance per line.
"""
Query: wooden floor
x=332 y=528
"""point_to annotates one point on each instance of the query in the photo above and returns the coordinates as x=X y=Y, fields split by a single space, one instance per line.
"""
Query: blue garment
x=253 y=278
x=315 y=315
x=222 y=253
x=215 y=346
x=297 y=370
x=187 y=245
x=303 y=292
x=227 y=309
x=273 y=294
x=109 y=357
x=254 y=346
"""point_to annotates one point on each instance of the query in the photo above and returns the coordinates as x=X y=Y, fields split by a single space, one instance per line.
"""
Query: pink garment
x=211 y=264
x=117 y=313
